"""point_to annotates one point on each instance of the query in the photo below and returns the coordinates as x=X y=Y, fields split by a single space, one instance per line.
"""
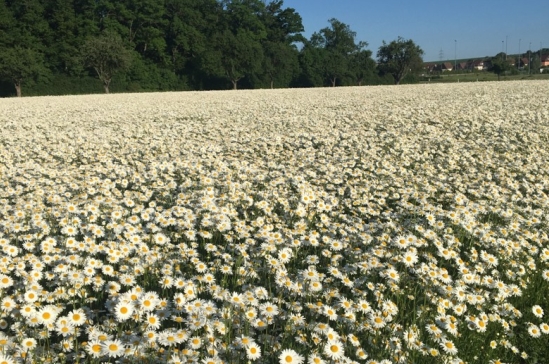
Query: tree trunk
x=235 y=83
x=18 y=89
x=333 y=82
x=360 y=83
x=272 y=84
x=106 y=85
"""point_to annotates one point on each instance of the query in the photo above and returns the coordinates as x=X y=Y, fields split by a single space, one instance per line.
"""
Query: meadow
x=381 y=224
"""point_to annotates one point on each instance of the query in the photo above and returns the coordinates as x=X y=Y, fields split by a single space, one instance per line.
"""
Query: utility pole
x=506 y=37
x=536 y=71
x=530 y=58
x=519 y=57
x=455 y=54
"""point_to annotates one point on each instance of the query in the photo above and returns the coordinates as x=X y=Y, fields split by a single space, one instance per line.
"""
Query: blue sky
x=479 y=27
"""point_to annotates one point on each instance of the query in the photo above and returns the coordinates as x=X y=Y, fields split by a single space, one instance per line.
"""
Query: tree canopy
x=107 y=55
x=18 y=64
x=85 y=46
x=399 y=58
x=332 y=55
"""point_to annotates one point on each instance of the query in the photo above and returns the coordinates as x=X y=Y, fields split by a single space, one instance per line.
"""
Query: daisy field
x=350 y=225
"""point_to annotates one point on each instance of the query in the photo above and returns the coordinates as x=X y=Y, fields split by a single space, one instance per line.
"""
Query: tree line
x=77 y=46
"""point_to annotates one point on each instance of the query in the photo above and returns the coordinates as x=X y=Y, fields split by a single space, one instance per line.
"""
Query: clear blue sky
x=479 y=27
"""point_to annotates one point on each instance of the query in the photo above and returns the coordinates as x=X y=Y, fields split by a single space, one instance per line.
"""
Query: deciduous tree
x=339 y=43
x=107 y=55
x=283 y=27
x=236 y=51
x=399 y=58
x=361 y=64
x=500 y=65
x=18 y=64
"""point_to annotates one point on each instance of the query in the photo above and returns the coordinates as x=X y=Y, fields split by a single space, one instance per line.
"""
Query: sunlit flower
x=77 y=317
x=6 y=359
x=112 y=348
x=123 y=311
x=253 y=351
x=334 y=350
x=47 y=315
x=537 y=311
x=289 y=356
x=534 y=330
x=29 y=344
x=448 y=347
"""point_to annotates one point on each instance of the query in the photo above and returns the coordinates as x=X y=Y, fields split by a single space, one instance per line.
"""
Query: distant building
x=462 y=66
x=447 y=66
x=480 y=65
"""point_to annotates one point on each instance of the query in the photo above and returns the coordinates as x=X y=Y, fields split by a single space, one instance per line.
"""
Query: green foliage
x=189 y=25
x=311 y=61
x=237 y=50
x=31 y=28
x=399 y=58
x=280 y=63
x=339 y=44
x=536 y=63
x=146 y=75
x=18 y=64
x=500 y=65
x=361 y=65
x=284 y=27
x=107 y=55
x=147 y=45
x=7 y=24
x=333 y=55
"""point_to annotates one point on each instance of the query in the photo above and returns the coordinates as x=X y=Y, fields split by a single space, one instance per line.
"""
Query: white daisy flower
x=289 y=356
x=253 y=351
x=334 y=350
x=537 y=311
x=123 y=311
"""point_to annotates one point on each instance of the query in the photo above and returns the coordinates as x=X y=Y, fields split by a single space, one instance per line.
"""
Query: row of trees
x=502 y=64
x=64 y=46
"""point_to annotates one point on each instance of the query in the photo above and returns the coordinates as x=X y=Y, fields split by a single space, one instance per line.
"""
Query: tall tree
x=340 y=45
x=237 y=51
x=107 y=55
x=280 y=62
x=7 y=25
x=500 y=64
x=284 y=27
x=32 y=30
x=18 y=64
x=190 y=27
x=535 y=63
x=361 y=64
x=399 y=58
x=311 y=62
x=140 y=23
x=63 y=51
